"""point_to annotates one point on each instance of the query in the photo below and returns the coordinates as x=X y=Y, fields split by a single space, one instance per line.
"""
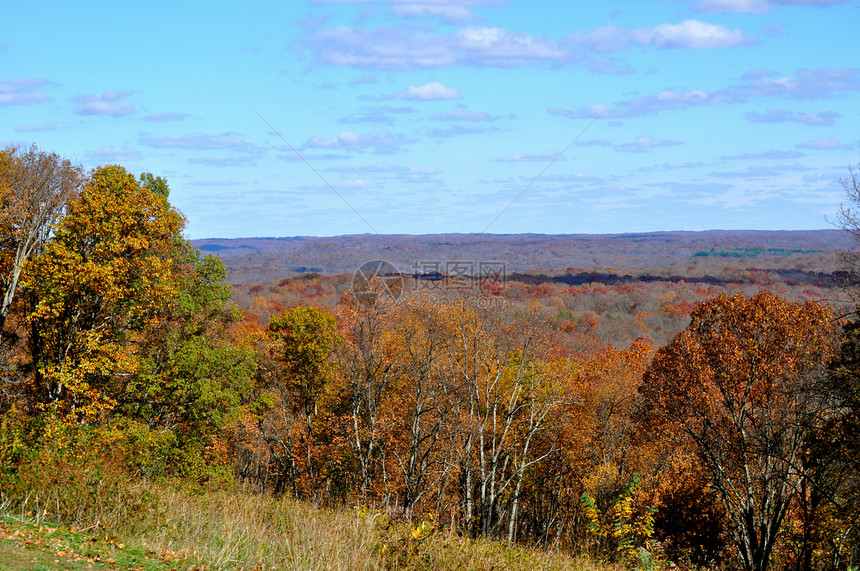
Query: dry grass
x=237 y=529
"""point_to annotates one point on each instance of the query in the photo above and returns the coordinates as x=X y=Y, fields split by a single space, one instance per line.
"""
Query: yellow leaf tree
x=105 y=276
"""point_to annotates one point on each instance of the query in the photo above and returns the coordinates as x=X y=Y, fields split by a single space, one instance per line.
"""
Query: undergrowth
x=227 y=527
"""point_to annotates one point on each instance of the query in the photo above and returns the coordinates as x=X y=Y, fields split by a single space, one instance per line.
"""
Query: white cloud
x=672 y=165
x=385 y=115
x=694 y=34
x=33 y=128
x=225 y=141
x=822 y=119
x=595 y=143
x=457 y=130
x=464 y=115
x=383 y=142
x=433 y=91
x=669 y=99
x=771 y=154
x=823 y=145
x=448 y=11
x=413 y=47
x=404 y=48
x=357 y=183
x=642 y=144
x=447 y=14
x=819 y=83
x=757 y=6
x=23 y=91
x=688 y=34
x=738 y=6
x=761 y=171
x=108 y=103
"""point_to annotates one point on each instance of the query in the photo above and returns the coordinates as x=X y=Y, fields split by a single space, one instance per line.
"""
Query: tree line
x=734 y=445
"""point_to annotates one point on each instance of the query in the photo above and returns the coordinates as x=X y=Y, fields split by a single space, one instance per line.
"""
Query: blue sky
x=329 y=117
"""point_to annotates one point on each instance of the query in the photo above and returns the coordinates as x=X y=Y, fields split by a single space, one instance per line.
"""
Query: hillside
x=261 y=259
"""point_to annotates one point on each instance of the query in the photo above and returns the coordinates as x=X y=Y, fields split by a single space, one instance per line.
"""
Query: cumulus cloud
x=108 y=103
x=643 y=144
x=823 y=145
x=672 y=165
x=433 y=91
x=447 y=11
x=761 y=171
x=446 y=14
x=771 y=154
x=695 y=34
x=34 y=128
x=225 y=141
x=413 y=47
x=666 y=100
x=639 y=145
x=383 y=115
x=738 y=6
x=756 y=6
x=457 y=130
x=823 y=119
x=382 y=142
x=23 y=91
x=403 y=48
x=687 y=34
x=464 y=115
x=595 y=143
x=819 y=83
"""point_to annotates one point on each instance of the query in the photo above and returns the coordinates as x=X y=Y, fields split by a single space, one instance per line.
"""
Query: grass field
x=239 y=530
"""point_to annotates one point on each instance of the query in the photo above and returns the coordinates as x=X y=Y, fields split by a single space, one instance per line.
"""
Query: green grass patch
x=29 y=546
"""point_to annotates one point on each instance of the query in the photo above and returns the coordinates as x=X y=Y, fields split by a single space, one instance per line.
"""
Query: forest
x=634 y=418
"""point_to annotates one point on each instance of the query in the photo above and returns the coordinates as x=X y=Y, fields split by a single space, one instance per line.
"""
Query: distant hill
x=259 y=259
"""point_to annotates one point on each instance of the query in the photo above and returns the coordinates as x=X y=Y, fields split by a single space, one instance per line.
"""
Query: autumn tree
x=509 y=396
x=837 y=458
x=422 y=332
x=192 y=374
x=837 y=448
x=733 y=383
x=372 y=364
x=302 y=345
x=104 y=278
x=304 y=339
x=35 y=187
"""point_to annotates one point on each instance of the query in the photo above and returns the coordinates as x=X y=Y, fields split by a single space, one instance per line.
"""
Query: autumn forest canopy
x=643 y=423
